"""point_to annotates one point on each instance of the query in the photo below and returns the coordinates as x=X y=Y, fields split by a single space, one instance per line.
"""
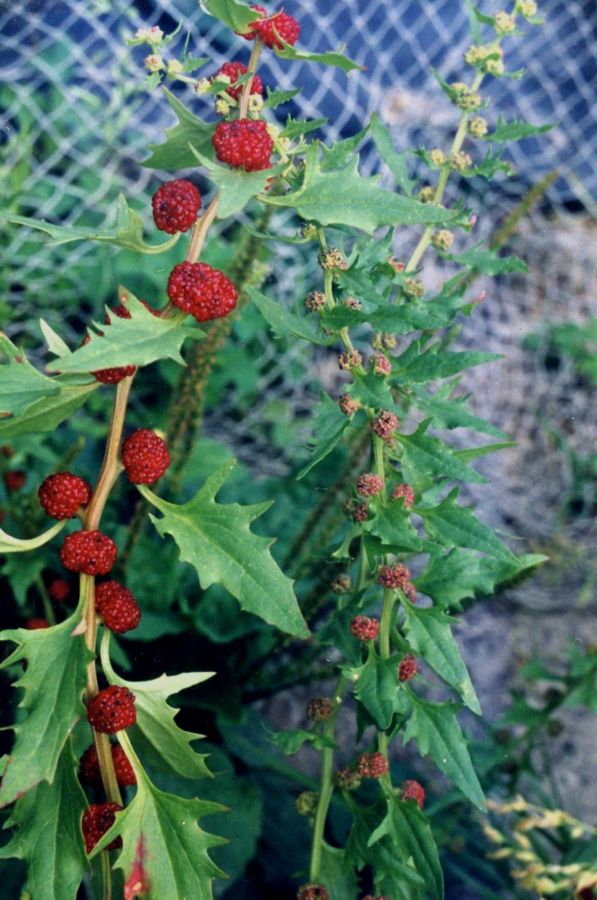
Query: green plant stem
x=106 y=876
x=46 y=601
x=385 y=651
x=326 y=788
x=251 y=69
x=200 y=230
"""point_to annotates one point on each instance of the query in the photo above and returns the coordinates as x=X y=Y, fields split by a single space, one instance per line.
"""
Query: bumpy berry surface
x=34 y=624
x=372 y=765
x=347 y=779
x=97 y=819
x=59 y=589
x=385 y=424
x=112 y=375
x=89 y=552
x=410 y=590
x=405 y=493
x=112 y=710
x=117 y=606
x=14 y=480
x=408 y=667
x=319 y=709
x=145 y=456
x=201 y=291
x=393 y=576
x=234 y=70
x=312 y=892
x=412 y=790
x=89 y=769
x=243 y=144
x=365 y=628
x=369 y=485
x=280 y=25
x=176 y=205
x=62 y=494
x=250 y=34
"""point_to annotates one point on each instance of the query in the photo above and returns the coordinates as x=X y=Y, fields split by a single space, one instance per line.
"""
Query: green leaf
x=291 y=741
x=164 y=852
x=191 y=131
x=127 y=231
x=430 y=635
x=237 y=16
x=293 y=129
x=277 y=98
x=55 y=343
x=372 y=390
x=156 y=735
x=425 y=455
x=456 y=526
x=47 y=823
x=411 y=836
x=482 y=259
x=328 y=427
x=347 y=198
x=392 y=525
x=439 y=364
x=461 y=575
x=47 y=414
x=216 y=539
x=21 y=384
x=138 y=341
x=435 y=729
x=284 y=323
x=340 y=153
x=378 y=689
x=336 y=874
x=236 y=186
x=9 y=544
x=52 y=685
x=514 y=131
x=330 y=58
x=471 y=453
x=453 y=413
x=409 y=317
x=396 y=162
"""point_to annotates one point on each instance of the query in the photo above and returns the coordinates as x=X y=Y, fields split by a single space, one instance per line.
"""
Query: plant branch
x=251 y=69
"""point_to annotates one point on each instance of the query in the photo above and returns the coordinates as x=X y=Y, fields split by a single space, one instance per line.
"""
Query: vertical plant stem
x=106 y=876
x=251 y=69
x=200 y=230
x=385 y=651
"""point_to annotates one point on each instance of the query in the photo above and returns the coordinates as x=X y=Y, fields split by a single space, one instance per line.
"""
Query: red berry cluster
x=117 y=606
x=365 y=628
x=320 y=709
x=62 y=494
x=380 y=364
x=145 y=456
x=369 y=485
x=372 y=765
x=347 y=405
x=97 y=819
x=89 y=768
x=112 y=710
x=358 y=512
x=385 y=424
x=270 y=29
x=176 y=205
x=14 y=479
x=201 y=291
x=312 y=892
x=35 y=624
x=393 y=576
x=347 y=779
x=89 y=552
x=408 y=668
x=243 y=144
x=234 y=71
x=412 y=790
x=405 y=493
x=59 y=590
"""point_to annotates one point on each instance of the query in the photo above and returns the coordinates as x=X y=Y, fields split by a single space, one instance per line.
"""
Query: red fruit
x=358 y=512
x=410 y=591
x=280 y=25
x=412 y=790
x=62 y=494
x=14 y=480
x=201 y=291
x=89 y=769
x=145 y=456
x=117 y=606
x=243 y=144
x=320 y=709
x=59 y=589
x=89 y=552
x=176 y=205
x=372 y=765
x=393 y=576
x=369 y=485
x=97 y=819
x=250 y=34
x=405 y=493
x=385 y=424
x=234 y=70
x=112 y=375
x=365 y=628
x=312 y=892
x=408 y=667
x=112 y=710
x=34 y=624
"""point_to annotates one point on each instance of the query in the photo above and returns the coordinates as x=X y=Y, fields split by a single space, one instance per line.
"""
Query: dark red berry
x=319 y=709
x=365 y=628
x=14 y=480
x=62 y=494
x=393 y=576
x=408 y=667
x=250 y=34
x=369 y=485
x=412 y=790
x=89 y=552
x=112 y=375
x=280 y=25
x=243 y=144
x=385 y=424
x=59 y=589
x=112 y=710
x=234 y=70
x=145 y=456
x=89 y=769
x=405 y=493
x=176 y=205
x=347 y=779
x=97 y=819
x=201 y=291
x=34 y=624
x=372 y=765
x=358 y=512
x=312 y=892
x=117 y=606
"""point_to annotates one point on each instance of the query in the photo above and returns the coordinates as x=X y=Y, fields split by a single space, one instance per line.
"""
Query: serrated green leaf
x=55 y=343
x=392 y=525
x=471 y=453
x=236 y=186
x=408 y=317
x=377 y=687
x=328 y=427
x=396 y=162
x=9 y=544
x=329 y=58
x=47 y=414
x=482 y=259
x=138 y=341
x=338 y=156
x=411 y=836
x=47 y=823
x=291 y=740
x=435 y=729
x=424 y=455
x=429 y=633
x=285 y=323
x=453 y=413
x=21 y=385
x=216 y=540
x=514 y=131
x=438 y=364
x=336 y=873
x=191 y=131
x=372 y=390
x=237 y=16
x=127 y=231
x=277 y=98
x=164 y=852
x=156 y=735
x=457 y=526
x=53 y=686
x=293 y=128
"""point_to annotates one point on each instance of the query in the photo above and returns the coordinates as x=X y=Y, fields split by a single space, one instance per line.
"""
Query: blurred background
x=75 y=127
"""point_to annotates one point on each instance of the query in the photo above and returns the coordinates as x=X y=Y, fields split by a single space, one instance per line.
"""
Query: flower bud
x=153 y=62
x=477 y=127
x=442 y=239
x=437 y=157
x=504 y=23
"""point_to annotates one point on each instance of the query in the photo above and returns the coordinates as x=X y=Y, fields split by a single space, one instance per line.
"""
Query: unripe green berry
x=504 y=23
x=478 y=127
x=332 y=259
x=153 y=62
x=460 y=161
x=306 y=803
x=174 y=68
x=222 y=107
x=341 y=583
x=437 y=157
x=412 y=287
x=442 y=239
x=309 y=231
x=494 y=66
x=527 y=8
x=255 y=103
x=426 y=194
